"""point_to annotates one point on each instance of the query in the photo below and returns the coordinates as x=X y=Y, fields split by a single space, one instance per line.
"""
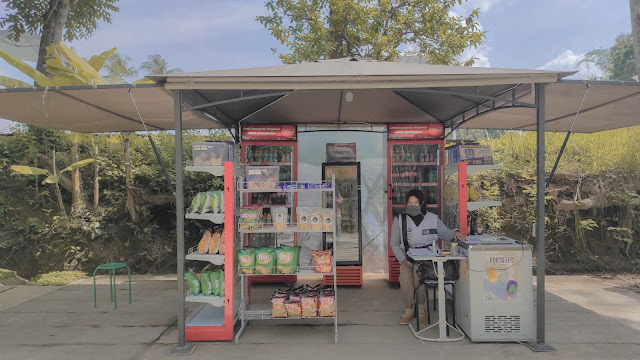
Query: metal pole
x=539 y=344
x=181 y=348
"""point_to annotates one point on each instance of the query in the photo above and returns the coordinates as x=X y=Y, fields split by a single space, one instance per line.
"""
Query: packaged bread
x=215 y=241
x=205 y=241
x=315 y=219
x=303 y=218
x=221 y=244
x=327 y=219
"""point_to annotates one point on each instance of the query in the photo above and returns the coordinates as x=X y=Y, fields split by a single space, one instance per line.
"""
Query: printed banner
x=416 y=131
x=269 y=132
x=344 y=152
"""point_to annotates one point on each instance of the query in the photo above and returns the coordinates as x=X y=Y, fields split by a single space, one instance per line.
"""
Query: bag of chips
x=215 y=242
x=247 y=260
x=327 y=219
x=265 y=260
x=309 y=304
x=221 y=203
x=205 y=242
x=221 y=278
x=251 y=217
x=287 y=259
x=192 y=281
x=315 y=219
x=195 y=204
x=294 y=310
x=205 y=281
x=327 y=303
x=303 y=218
x=215 y=280
x=207 y=204
x=221 y=244
x=278 y=308
x=321 y=261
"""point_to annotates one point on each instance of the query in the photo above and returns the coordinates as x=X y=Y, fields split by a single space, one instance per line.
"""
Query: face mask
x=413 y=210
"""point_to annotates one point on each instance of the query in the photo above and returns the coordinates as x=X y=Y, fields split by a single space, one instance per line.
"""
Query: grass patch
x=5 y=274
x=58 y=278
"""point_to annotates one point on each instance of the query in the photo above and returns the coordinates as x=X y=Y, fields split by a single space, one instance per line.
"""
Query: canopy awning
x=315 y=93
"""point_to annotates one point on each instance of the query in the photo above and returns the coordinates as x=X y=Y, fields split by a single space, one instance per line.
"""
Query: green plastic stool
x=111 y=267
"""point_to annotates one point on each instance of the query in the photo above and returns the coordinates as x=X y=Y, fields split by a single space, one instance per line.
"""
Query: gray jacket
x=397 y=245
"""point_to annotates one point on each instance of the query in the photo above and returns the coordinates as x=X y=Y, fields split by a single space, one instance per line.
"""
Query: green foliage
x=58 y=278
x=616 y=62
x=157 y=65
x=5 y=274
x=118 y=69
x=328 y=29
x=22 y=16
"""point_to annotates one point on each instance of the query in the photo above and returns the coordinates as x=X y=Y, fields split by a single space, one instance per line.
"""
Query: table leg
x=95 y=302
x=129 y=273
x=111 y=285
x=442 y=320
x=115 y=299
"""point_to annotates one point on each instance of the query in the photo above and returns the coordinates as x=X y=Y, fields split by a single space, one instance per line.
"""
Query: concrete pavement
x=586 y=319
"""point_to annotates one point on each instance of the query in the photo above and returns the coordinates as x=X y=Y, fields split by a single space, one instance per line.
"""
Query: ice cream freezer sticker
x=501 y=277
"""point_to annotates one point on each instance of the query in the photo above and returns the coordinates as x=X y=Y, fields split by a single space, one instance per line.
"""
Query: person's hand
x=404 y=264
x=457 y=235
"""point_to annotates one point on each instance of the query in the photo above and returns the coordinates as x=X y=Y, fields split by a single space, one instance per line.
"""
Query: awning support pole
x=540 y=344
x=566 y=139
x=181 y=348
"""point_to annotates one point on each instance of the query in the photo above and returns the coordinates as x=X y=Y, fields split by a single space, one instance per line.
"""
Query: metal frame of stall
x=539 y=89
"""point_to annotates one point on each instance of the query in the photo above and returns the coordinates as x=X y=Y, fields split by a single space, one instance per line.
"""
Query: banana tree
x=51 y=178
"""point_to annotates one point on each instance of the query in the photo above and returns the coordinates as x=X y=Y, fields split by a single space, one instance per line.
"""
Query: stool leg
x=129 y=272
x=426 y=290
x=453 y=298
x=115 y=299
x=111 y=285
x=415 y=307
x=95 y=303
x=435 y=298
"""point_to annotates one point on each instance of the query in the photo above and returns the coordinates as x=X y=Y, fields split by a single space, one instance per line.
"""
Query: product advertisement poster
x=501 y=277
x=341 y=152
x=371 y=148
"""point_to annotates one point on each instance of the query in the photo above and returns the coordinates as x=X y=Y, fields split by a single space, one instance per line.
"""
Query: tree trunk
x=53 y=28
x=75 y=181
x=336 y=53
x=131 y=206
x=63 y=211
x=63 y=180
x=634 y=6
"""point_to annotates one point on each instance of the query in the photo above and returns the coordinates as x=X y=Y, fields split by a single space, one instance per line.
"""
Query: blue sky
x=199 y=35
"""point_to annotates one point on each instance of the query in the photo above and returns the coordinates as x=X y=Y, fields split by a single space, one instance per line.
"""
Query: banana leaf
x=115 y=139
x=28 y=170
x=36 y=75
x=76 y=137
x=10 y=83
x=81 y=66
x=55 y=64
x=78 y=164
x=97 y=61
x=51 y=179
x=65 y=79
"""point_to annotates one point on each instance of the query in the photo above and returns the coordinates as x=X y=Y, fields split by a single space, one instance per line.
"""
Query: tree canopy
x=381 y=30
x=157 y=65
x=616 y=62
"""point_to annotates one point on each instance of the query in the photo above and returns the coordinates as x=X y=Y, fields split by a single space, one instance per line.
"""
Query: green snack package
x=205 y=281
x=265 y=260
x=221 y=277
x=215 y=280
x=192 y=280
x=195 y=204
x=247 y=260
x=287 y=259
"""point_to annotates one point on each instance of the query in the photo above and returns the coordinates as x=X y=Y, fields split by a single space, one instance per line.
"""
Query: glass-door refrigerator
x=271 y=145
x=348 y=213
x=414 y=161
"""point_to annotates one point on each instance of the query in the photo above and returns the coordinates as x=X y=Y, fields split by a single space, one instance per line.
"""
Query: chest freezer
x=494 y=294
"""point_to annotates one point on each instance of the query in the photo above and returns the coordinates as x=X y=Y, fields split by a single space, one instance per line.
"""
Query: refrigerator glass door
x=347 y=213
x=271 y=155
x=414 y=166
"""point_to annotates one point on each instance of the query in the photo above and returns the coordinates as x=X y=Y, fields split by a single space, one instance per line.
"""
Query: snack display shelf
x=270 y=228
x=213 y=170
x=207 y=315
x=302 y=270
x=216 y=301
x=429 y=163
x=262 y=311
x=269 y=163
x=214 y=218
x=193 y=254
x=415 y=184
x=429 y=206
x=286 y=186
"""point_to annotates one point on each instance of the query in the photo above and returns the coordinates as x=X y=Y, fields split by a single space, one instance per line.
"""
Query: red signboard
x=269 y=132
x=416 y=131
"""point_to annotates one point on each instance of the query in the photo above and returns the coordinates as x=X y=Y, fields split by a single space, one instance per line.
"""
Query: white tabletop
x=435 y=257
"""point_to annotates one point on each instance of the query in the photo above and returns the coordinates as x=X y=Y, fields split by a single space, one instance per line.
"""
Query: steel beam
x=181 y=348
x=243 y=98
x=454 y=93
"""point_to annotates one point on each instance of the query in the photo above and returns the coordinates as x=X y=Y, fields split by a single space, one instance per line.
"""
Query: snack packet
x=251 y=217
x=303 y=218
x=221 y=278
x=192 y=281
x=195 y=204
x=205 y=242
x=265 y=260
x=315 y=219
x=215 y=280
x=280 y=217
x=294 y=310
x=215 y=202
x=207 y=203
x=205 y=281
x=215 y=242
x=321 y=261
x=287 y=259
x=221 y=244
x=221 y=204
x=309 y=304
x=278 y=308
x=327 y=303
x=247 y=260
x=327 y=219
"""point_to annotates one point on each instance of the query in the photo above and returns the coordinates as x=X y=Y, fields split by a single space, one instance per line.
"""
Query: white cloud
x=481 y=54
x=570 y=61
x=483 y=5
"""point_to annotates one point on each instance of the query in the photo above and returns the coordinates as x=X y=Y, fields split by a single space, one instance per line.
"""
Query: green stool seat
x=111 y=267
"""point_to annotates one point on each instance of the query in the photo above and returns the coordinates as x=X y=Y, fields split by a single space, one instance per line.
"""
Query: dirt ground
x=624 y=281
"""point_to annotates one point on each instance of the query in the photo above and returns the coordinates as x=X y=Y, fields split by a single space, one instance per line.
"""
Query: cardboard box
x=211 y=153
x=263 y=177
